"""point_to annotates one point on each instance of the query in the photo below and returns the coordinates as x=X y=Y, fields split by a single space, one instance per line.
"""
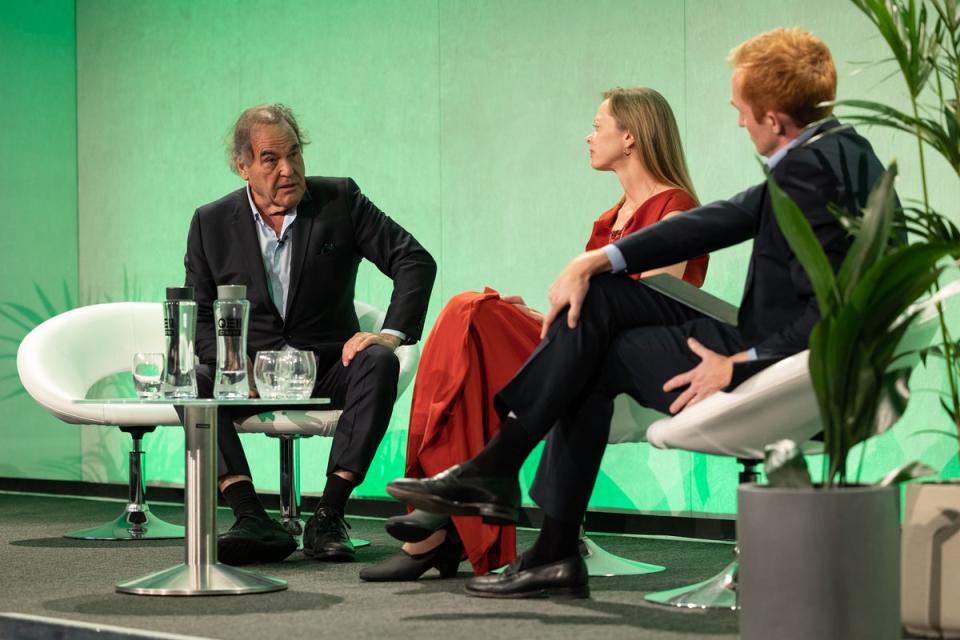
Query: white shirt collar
x=289 y=216
x=805 y=135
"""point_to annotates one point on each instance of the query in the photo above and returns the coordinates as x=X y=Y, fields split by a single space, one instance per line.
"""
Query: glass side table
x=201 y=574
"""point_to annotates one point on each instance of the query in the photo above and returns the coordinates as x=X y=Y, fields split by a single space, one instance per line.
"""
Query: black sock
x=243 y=500
x=336 y=493
x=504 y=454
x=557 y=540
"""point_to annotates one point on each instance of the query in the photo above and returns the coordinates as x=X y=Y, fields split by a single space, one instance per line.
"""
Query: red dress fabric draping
x=477 y=344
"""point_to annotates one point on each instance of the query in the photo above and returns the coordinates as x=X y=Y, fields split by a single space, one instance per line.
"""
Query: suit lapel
x=245 y=232
x=300 y=235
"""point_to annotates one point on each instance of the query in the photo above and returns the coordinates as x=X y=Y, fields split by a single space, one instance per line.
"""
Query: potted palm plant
x=926 y=49
x=848 y=534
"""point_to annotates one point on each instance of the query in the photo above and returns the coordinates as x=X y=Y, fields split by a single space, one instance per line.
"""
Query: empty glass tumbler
x=266 y=374
x=148 y=374
x=297 y=373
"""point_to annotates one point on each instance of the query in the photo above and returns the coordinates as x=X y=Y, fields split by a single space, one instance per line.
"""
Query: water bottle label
x=168 y=327
x=229 y=326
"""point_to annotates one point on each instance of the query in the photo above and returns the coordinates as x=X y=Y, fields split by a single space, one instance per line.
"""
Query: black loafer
x=565 y=578
x=253 y=539
x=415 y=526
x=445 y=557
x=325 y=537
x=495 y=499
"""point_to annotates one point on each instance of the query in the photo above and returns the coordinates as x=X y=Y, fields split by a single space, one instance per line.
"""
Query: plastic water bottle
x=179 y=328
x=231 y=311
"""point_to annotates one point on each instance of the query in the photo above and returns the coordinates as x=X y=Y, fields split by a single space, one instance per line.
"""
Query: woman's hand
x=517 y=301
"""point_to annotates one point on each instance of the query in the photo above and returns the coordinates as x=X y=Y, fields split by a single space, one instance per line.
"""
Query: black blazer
x=836 y=166
x=336 y=227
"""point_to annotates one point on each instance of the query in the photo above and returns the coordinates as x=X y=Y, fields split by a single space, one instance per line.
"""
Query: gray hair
x=238 y=141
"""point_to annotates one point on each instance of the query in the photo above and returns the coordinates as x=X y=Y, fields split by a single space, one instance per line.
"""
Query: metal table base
x=200 y=574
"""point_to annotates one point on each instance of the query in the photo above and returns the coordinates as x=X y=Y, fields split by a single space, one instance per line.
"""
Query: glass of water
x=266 y=374
x=298 y=373
x=148 y=375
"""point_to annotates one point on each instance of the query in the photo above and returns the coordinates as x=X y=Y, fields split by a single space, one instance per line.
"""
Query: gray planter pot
x=931 y=560
x=819 y=563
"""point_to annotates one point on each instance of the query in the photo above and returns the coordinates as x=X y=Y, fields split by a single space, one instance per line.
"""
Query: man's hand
x=570 y=287
x=521 y=306
x=361 y=340
x=712 y=374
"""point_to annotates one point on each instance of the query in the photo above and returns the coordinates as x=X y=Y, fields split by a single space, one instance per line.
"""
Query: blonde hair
x=786 y=70
x=648 y=116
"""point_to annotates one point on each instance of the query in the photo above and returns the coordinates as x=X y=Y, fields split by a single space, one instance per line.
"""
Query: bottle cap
x=180 y=293
x=231 y=292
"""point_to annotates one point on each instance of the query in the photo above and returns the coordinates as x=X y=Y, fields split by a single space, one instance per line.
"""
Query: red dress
x=475 y=347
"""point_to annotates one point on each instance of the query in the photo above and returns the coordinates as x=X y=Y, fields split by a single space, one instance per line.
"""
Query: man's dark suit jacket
x=836 y=166
x=336 y=227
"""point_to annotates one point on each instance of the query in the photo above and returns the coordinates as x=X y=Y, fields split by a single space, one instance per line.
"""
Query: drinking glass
x=266 y=374
x=298 y=373
x=148 y=374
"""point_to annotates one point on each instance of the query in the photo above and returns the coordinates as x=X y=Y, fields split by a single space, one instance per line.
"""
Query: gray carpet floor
x=44 y=574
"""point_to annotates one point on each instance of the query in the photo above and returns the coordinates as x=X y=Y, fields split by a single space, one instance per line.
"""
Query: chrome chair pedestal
x=718 y=592
x=136 y=522
x=290 y=489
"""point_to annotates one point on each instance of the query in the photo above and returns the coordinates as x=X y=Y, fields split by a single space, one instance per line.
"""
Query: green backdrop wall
x=463 y=120
x=38 y=246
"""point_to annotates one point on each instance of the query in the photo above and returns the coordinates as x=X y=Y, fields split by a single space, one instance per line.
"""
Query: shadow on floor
x=128 y=605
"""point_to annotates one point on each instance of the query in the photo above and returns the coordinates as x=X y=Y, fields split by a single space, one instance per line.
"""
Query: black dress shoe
x=445 y=557
x=495 y=499
x=325 y=537
x=415 y=526
x=253 y=539
x=565 y=578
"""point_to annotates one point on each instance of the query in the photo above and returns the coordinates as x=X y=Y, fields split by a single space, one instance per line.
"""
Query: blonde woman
x=480 y=340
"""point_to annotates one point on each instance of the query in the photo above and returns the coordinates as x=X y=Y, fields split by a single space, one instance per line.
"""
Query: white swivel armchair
x=62 y=358
x=776 y=404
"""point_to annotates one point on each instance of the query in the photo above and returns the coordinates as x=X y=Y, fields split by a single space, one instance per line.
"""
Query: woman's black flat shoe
x=403 y=567
x=415 y=526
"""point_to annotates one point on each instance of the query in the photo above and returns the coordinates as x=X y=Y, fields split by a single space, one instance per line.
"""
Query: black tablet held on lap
x=695 y=298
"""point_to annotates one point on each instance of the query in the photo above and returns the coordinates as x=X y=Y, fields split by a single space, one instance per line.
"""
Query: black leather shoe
x=253 y=539
x=415 y=526
x=325 y=537
x=496 y=500
x=565 y=578
x=445 y=557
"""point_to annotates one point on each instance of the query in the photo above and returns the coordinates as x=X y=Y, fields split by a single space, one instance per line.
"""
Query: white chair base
x=602 y=563
x=718 y=592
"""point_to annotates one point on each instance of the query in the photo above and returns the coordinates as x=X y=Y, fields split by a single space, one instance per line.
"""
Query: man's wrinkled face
x=275 y=173
x=763 y=131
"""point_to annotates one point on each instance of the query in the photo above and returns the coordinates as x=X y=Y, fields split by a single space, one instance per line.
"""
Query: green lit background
x=464 y=120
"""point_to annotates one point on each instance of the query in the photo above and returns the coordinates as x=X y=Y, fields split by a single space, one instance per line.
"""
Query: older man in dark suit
x=606 y=334
x=296 y=243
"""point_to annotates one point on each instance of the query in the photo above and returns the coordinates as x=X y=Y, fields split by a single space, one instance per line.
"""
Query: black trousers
x=630 y=339
x=366 y=391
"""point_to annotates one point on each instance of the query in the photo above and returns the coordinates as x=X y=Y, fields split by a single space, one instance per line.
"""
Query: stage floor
x=44 y=574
